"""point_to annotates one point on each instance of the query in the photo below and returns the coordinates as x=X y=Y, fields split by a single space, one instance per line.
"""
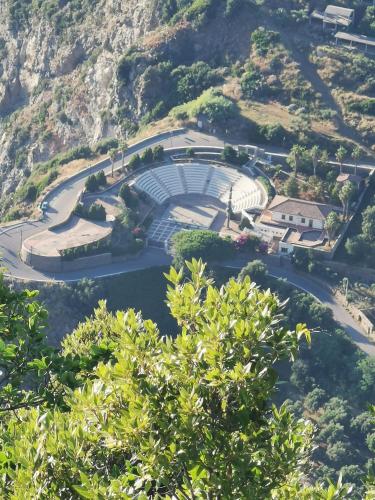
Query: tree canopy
x=127 y=412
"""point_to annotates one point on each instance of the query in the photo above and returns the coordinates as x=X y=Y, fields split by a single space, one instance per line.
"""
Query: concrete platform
x=76 y=233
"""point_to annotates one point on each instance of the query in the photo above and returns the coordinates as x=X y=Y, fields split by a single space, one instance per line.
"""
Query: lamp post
x=345 y=283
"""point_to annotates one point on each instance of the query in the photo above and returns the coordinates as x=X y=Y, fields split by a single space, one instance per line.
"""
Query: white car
x=44 y=206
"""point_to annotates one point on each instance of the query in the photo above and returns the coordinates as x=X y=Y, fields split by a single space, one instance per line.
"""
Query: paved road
x=340 y=314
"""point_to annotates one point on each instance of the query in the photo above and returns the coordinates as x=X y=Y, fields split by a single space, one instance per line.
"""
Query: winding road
x=61 y=201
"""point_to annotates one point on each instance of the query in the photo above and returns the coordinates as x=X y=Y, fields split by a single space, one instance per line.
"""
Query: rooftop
x=349 y=37
x=335 y=15
x=308 y=209
x=349 y=178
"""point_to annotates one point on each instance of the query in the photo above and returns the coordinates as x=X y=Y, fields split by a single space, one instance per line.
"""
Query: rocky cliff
x=58 y=84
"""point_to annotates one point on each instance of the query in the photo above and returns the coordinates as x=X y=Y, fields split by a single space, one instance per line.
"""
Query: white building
x=289 y=222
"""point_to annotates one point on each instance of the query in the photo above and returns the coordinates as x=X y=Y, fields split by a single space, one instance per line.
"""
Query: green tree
x=291 y=187
x=346 y=195
x=256 y=270
x=135 y=162
x=207 y=245
x=158 y=153
x=368 y=223
x=340 y=156
x=295 y=157
x=229 y=155
x=147 y=156
x=315 y=154
x=332 y=225
x=356 y=155
x=112 y=156
x=315 y=399
x=129 y=198
x=200 y=412
x=123 y=148
x=91 y=184
x=24 y=356
x=101 y=178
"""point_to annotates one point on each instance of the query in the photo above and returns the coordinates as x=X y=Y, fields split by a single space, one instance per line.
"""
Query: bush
x=101 y=179
x=207 y=245
x=147 y=156
x=315 y=399
x=128 y=197
x=247 y=243
x=91 y=184
x=212 y=104
x=158 y=153
x=251 y=83
x=31 y=193
x=366 y=106
x=135 y=162
x=257 y=271
x=106 y=145
x=264 y=39
x=95 y=212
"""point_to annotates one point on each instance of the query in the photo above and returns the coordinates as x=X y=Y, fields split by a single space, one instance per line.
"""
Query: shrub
x=147 y=156
x=128 y=197
x=101 y=179
x=366 y=106
x=158 y=153
x=264 y=39
x=31 y=193
x=256 y=270
x=91 y=184
x=315 y=399
x=95 y=212
x=135 y=162
x=106 y=145
x=252 y=83
x=217 y=108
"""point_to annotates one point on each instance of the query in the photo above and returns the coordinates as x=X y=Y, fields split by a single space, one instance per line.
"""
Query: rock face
x=59 y=73
x=58 y=85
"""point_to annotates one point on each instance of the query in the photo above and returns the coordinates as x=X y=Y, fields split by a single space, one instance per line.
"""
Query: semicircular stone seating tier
x=194 y=178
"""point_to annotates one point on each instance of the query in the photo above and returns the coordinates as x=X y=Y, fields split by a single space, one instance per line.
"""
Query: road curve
x=323 y=295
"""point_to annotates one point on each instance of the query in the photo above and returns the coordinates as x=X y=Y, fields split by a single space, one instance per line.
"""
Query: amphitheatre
x=181 y=194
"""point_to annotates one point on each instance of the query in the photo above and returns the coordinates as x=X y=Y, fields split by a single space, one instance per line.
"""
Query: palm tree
x=295 y=157
x=356 y=155
x=112 y=156
x=315 y=157
x=340 y=155
x=346 y=195
x=331 y=225
x=123 y=148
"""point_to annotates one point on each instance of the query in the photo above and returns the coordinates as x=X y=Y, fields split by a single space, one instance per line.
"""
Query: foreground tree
x=148 y=416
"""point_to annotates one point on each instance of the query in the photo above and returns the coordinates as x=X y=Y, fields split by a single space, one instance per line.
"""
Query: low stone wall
x=50 y=264
x=366 y=324
x=102 y=259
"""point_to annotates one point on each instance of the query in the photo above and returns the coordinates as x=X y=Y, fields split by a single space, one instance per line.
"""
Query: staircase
x=181 y=172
